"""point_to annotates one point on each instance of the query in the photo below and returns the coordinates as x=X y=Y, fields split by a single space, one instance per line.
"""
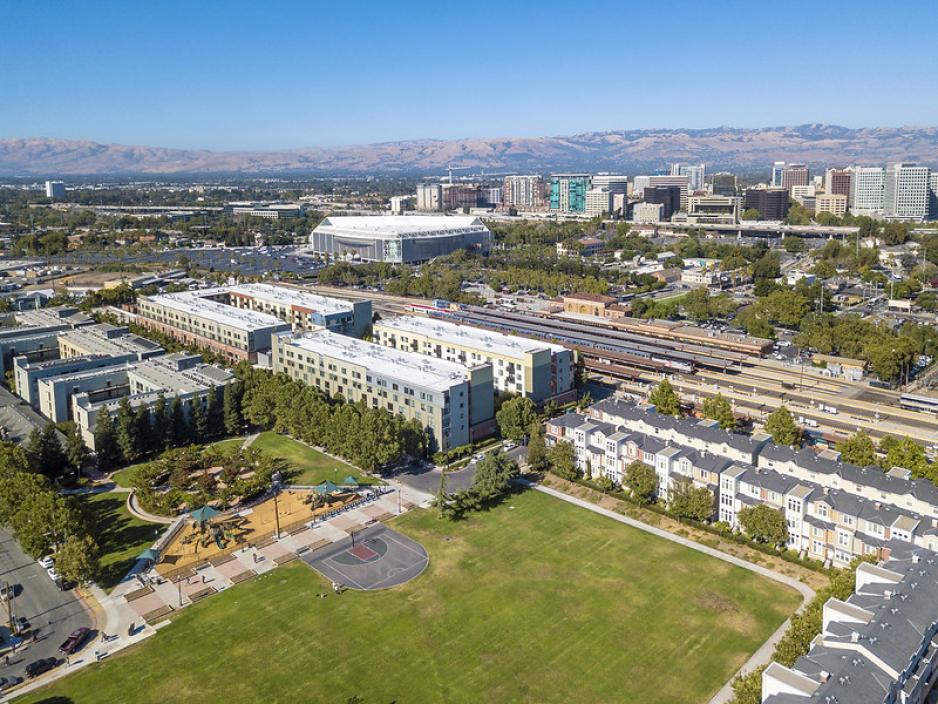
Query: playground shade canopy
x=205 y=513
x=149 y=554
x=350 y=481
x=326 y=487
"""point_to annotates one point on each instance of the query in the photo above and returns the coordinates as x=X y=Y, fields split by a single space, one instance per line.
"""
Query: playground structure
x=200 y=541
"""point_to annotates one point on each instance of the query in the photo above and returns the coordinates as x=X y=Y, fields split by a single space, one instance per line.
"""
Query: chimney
x=825 y=676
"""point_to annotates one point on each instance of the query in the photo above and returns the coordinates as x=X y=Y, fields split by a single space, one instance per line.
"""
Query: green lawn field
x=308 y=466
x=534 y=601
x=120 y=535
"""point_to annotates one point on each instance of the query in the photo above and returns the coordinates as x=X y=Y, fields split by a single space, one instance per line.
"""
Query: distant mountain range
x=630 y=151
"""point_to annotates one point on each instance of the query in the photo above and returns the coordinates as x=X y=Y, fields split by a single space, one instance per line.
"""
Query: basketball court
x=374 y=558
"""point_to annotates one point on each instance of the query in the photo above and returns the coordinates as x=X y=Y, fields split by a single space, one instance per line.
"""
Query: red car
x=74 y=641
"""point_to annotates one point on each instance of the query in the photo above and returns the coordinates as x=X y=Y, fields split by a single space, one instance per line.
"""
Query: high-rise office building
x=933 y=195
x=772 y=203
x=524 y=192
x=696 y=175
x=614 y=183
x=639 y=184
x=669 y=197
x=679 y=181
x=724 y=184
x=795 y=175
x=837 y=182
x=55 y=190
x=905 y=192
x=866 y=190
x=568 y=192
x=777 y=168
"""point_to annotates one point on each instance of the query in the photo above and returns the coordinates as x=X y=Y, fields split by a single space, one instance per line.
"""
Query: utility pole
x=277 y=512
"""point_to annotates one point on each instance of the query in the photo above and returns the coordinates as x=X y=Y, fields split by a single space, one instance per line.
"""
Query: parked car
x=7 y=682
x=509 y=445
x=479 y=457
x=46 y=562
x=38 y=667
x=75 y=640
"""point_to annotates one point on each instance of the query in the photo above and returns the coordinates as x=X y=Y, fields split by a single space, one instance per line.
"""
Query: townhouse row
x=834 y=510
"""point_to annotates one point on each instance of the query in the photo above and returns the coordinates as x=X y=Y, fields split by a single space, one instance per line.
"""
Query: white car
x=479 y=457
x=510 y=445
x=46 y=562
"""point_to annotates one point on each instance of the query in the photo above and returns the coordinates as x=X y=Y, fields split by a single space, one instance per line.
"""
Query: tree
x=127 y=431
x=719 y=409
x=793 y=244
x=493 y=476
x=179 y=423
x=515 y=417
x=750 y=214
x=199 y=420
x=159 y=424
x=858 y=449
x=686 y=501
x=642 y=482
x=105 y=442
x=764 y=524
x=537 y=449
x=215 y=421
x=906 y=453
x=76 y=451
x=664 y=399
x=77 y=559
x=781 y=426
x=45 y=452
x=563 y=461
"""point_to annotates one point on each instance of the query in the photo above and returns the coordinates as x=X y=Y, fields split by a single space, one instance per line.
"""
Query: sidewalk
x=764 y=654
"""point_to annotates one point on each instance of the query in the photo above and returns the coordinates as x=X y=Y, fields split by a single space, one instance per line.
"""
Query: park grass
x=308 y=466
x=124 y=477
x=120 y=535
x=534 y=601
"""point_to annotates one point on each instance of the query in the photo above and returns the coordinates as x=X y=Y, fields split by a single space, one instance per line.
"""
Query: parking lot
x=51 y=613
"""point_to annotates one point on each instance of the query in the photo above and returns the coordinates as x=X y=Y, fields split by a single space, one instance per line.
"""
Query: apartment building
x=877 y=647
x=54 y=393
x=37 y=344
x=835 y=511
x=598 y=202
x=181 y=375
x=568 y=192
x=523 y=192
x=533 y=368
x=28 y=374
x=197 y=318
x=454 y=402
x=109 y=340
x=304 y=310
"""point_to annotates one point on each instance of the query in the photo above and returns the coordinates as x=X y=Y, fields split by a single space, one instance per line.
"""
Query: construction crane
x=451 y=169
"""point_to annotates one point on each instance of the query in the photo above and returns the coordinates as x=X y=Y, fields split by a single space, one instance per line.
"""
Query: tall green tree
x=858 y=449
x=563 y=461
x=908 y=454
x=493 y=476
x=215 y=422
x=76 y=451
x=642 y=482
x=199 y=420
x=718 y=408
x=105 y=442
x=179 y=423
x=77 y=559
x=515 y=417
x=127 y=431
x=764 y=524
x=537 y=449
x=689 y=502
x=159 y=424
x=232 y=408
x=665 y=399
x=781 y=426
x=45 y=453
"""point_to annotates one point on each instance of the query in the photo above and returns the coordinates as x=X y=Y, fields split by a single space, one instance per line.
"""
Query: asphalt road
x=55 y=613
x=427 y=479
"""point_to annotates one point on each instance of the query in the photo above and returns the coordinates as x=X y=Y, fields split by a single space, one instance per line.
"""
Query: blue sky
x=250 y=75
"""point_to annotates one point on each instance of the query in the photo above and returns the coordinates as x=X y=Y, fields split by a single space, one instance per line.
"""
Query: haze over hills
x=626 y=150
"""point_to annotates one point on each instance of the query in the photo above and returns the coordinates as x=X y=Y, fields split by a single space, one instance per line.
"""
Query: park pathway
x=764 y=654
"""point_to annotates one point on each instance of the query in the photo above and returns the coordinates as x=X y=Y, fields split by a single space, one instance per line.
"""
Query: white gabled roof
x=401 y=225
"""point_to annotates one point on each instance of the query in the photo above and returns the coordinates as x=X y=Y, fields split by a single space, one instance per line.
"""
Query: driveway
x=55 y=613
x=427 y=480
